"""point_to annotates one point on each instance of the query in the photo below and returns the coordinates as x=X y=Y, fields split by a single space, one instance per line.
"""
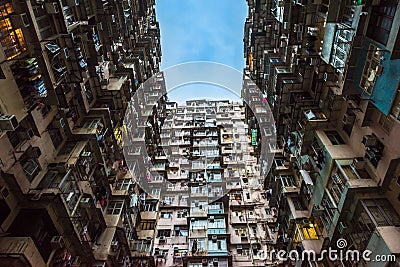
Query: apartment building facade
x=329 y=72
x=213 y=210
x=68 y=71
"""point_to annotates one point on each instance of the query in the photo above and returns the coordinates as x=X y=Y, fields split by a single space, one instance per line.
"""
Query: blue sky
x=201 y=30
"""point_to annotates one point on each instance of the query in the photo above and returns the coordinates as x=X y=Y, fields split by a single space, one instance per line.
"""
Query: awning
x=306 y=177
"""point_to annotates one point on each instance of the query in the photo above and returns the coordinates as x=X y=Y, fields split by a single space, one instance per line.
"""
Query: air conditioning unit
x=8 y=122
x=214 y=238
x=20 y=20
x=297 y=28
x=369 y=140
x=57 y=242
x=52 y=7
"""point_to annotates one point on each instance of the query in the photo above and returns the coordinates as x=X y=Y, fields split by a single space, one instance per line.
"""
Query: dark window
x=334 y=137
x=298 y=203
x=147 y=225
x=166 y=233
x=398 y=180
x=52 y=179
x=115 y=207
x=4 y=211
x=381 y=21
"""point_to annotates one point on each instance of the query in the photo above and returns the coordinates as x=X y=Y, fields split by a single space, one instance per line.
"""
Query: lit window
x=386 y=122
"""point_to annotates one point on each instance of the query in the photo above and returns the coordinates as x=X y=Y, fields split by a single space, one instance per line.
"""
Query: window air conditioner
x=8 y=122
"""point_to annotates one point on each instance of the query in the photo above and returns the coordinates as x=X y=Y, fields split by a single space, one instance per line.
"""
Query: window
x=123 y=184
x=298 y=203
x=14 y=138
x=371 y=67
x=386 y=122
x=147 y=225
x=31 y=169
x=287 y=181
x=52 y=179
x=217 y=223
x=198 y=224
x=56 y=137
x=181 y=231
x=67 y=148
x=217 y=245
x=4 y=211
x=166 y=233
x=336 y=186
x=382 y=212
x=329 y=211
x=150 y=207
x=141 y=245
x=115 y=207
x=334 y=137
x=155 y=192
x=181 y=213
x=381 y=21
x=2 y=76
x=166 y=215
